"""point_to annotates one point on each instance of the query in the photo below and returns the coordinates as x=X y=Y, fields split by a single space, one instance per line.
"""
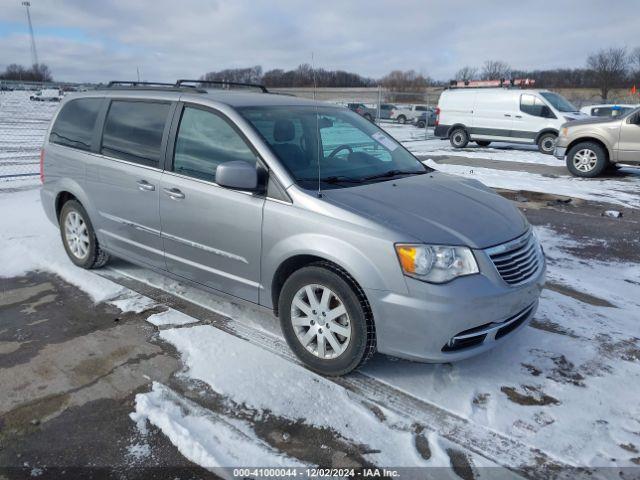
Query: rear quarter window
x=75 y=123
x=133 y=131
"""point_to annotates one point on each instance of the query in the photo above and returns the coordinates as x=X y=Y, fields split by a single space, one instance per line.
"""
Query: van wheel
x=459 y=138
x=402 y=119
x=587 y=160
x=547 y=142
x=78 y=237
x=421 y=124
x=483 y=143
x=326 y=321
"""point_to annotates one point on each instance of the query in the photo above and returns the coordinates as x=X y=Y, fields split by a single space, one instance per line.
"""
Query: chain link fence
x=23 y=124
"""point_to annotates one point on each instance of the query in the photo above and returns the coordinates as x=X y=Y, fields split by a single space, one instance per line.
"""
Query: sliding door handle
x=145 y=186
x=174 y=193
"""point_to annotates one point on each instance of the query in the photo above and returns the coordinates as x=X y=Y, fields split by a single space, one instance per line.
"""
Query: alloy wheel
x=585 y=160
x=76 y=235
x=320 y=321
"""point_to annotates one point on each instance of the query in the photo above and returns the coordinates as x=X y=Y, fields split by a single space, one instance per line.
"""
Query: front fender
x=377 y=269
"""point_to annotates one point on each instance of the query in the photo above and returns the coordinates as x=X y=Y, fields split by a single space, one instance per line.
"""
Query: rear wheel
x=326 y=321
x=402 y=119
x=78 y=237
x=421 y=124
x=547 y=142
x=483 y=143
x=459 y=138
x=587 y=160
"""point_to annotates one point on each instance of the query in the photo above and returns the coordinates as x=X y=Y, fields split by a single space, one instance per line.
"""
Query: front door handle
x=145 y=186
x=518 y=116
x=174 y=193
x=507 y=115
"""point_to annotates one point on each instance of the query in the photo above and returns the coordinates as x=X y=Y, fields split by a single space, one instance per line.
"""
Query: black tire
x=96 y=257
x=547 y=142
x=421 y=124
x=402 y=119
x=362 y=344
x=579 y=151
x=483 y=143
x=459 y=138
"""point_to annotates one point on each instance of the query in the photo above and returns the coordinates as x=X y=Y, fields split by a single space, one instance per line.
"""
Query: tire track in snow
x=508 y=452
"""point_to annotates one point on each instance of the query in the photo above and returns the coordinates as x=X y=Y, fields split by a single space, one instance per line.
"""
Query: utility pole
x=34 y=53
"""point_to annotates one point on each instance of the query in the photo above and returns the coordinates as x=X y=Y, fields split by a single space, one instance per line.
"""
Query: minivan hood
x=435 y=208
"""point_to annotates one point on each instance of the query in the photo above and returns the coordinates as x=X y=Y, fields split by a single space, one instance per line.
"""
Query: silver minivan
x=303 y=208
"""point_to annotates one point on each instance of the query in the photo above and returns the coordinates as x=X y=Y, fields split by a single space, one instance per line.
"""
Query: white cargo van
x=504 y=114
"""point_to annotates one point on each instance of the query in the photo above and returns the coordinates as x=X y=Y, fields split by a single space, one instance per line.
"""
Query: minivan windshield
x=559 y=102
x=330 y=145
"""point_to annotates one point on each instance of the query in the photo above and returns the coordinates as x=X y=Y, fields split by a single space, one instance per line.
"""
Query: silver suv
x=305 y=209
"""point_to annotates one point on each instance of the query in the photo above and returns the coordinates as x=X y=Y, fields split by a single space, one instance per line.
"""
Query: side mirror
x=635 y=119
x=238 y=175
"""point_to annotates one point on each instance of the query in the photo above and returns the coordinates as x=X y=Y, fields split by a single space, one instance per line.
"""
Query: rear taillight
x=42 y=165
x=437 y=122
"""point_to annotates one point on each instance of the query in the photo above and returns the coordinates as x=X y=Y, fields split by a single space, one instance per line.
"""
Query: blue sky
x=101 y=40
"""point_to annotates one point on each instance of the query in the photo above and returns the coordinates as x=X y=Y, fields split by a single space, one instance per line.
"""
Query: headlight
x=436 y=263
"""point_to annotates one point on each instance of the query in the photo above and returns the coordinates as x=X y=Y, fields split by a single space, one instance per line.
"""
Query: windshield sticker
x=385 y=141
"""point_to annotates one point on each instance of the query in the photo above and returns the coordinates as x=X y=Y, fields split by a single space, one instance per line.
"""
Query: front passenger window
x=204 y=141
x=534 y=106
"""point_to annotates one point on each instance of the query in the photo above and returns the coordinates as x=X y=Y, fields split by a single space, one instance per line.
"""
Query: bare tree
x=495 y=70
x=634 y=58
x=609 y=66
x=466 y=73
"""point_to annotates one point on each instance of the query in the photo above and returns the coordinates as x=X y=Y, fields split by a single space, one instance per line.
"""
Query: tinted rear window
x=75 y=122
x=133 y=131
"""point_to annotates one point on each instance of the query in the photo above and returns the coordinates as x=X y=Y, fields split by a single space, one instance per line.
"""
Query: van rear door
x=493 y=115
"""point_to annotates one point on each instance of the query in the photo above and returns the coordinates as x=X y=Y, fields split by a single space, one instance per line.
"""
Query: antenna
x=315 y=86
x=34 y=53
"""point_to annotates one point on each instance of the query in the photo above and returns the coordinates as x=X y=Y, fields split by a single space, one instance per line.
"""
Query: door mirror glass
x=238 y=174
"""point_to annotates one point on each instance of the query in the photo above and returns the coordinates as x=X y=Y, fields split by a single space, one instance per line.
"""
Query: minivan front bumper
x=443 y=323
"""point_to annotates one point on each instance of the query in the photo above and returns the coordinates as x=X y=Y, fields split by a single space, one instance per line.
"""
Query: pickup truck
x=407 y=113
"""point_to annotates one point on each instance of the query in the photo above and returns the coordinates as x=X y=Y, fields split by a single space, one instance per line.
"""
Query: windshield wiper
x=392 y=173
x=333 y=179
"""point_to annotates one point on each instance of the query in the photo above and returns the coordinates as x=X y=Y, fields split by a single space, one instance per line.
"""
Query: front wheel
x=325 y=321
x=587 y=160
x=402 y=119
x=459 y=138
x=547 y=142
x=421 y=124
x=79 y=238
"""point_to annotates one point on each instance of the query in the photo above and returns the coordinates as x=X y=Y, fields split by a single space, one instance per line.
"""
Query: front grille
x=518 y=260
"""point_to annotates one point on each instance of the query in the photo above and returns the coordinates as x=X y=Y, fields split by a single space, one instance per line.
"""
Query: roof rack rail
x=181 y=83
x=512 y=83
x=134 y=83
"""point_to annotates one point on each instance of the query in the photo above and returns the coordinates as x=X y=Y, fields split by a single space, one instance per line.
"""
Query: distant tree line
x=303 y=76
x=605 y=70
x=38 y=72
